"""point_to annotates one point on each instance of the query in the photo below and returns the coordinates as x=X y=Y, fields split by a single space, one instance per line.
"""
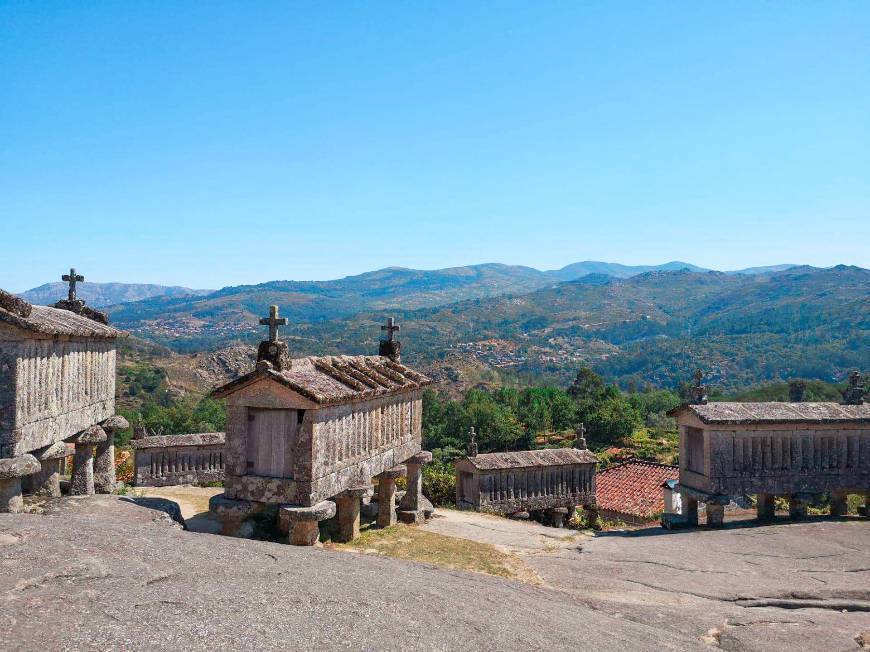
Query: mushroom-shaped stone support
x=347 y=503
x=104 y=460
x=557 y=516
x=302 y=521
x=414 y=506
x=46 y=481
x=11 y=471
x=82 y=479
x=387 y=495
x=230 y=513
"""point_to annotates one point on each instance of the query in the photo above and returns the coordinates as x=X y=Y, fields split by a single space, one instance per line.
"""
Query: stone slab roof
x=773 y=412
x=542 y=457
x=54 y=321
x=634 y=488
x=332 y=380
x=168 y=441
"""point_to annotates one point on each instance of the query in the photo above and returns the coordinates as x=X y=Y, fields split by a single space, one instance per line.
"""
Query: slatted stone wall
x=780 y=460
x=179 y=459
x=508 y=490
x=60 y=387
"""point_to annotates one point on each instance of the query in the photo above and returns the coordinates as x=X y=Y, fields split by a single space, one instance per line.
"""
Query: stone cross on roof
x=472 y=443
x=273 y=322
x=854 y=394
x=580 y=437
x=72 y=278
x=699 y=392
x=391 y=327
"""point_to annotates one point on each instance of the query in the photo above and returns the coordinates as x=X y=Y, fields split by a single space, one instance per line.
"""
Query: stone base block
x=10 y=496
x=347 y=507
x=11 y=471
x=839 y=503
x=715 y=515
x=765 y=507
x=302 y=522
x=231 y=513
x=797 y=505
x=411 y=516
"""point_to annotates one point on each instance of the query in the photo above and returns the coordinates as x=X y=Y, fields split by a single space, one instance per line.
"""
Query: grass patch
x=403 y=542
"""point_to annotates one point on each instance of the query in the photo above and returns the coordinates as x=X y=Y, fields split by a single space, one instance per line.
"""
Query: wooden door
x=271 y=442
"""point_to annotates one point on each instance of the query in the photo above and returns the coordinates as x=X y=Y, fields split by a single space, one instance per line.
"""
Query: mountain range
x=634 y=325
x=98 y=295
x=415 y=288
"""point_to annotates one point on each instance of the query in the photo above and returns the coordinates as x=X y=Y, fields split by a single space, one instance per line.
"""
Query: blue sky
x=210 y=143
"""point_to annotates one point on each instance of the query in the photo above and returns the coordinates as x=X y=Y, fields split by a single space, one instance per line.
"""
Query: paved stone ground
x=110 y=572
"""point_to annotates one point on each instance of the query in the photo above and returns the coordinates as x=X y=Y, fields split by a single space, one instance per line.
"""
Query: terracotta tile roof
x=633 y=488
x=331 y=380
x=776 y=412
x=542 y=457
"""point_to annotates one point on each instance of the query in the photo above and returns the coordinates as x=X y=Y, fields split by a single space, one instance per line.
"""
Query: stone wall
x=178 y=459
x=506 y=491
x=779 y=459
x=52 y=389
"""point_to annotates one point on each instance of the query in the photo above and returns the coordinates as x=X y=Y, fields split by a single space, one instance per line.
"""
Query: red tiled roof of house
x=634 y=487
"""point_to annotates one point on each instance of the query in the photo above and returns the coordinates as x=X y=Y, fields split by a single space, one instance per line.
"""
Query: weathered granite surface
x=620 y=590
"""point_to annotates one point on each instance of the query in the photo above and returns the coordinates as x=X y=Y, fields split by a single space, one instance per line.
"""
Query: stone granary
x=303 y=431
x=796 y=450
x=549 y=482
x=57 y=384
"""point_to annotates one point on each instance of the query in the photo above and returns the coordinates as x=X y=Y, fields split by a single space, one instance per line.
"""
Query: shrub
x=439 y=484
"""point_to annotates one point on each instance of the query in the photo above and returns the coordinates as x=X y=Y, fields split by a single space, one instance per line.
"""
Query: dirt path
x=193 y=502
x=521 y=538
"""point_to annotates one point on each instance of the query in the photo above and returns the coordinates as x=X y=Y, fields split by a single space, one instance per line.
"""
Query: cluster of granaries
x=313 y=437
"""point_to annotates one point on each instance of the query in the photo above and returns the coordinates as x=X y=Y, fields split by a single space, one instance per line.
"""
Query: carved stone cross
x=471 y=449
x=72 y=278
x=699 y=392
x=391 y=327
x=273 y=322
x=580 y=436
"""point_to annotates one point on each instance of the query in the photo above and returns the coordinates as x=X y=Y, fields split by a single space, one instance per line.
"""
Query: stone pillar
x=302 y=522
x=765 y=507
x=104 y=465
x=230 y=513
x=82 y=478
x=690 y=509
x=867 y=505
x=715 y=515
x=347 y=503
x=104 y=462
x=46 y=482
x=797 y=505
x=557 y=516
x=387 y=495
x=11 y=471
x=839 y=503
x=592 y=517
x=413 y=507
